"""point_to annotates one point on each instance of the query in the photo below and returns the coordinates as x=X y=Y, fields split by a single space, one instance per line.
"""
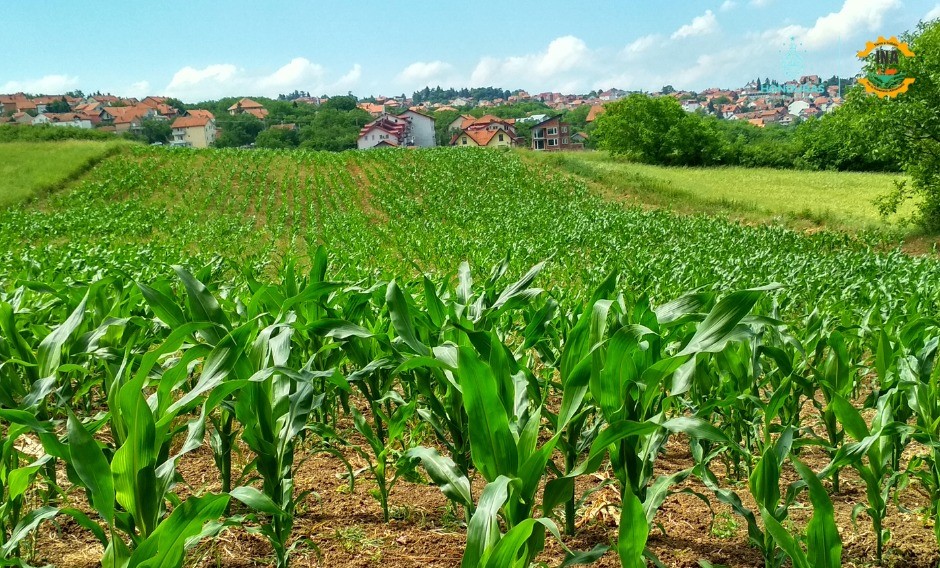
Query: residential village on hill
x=412 y=121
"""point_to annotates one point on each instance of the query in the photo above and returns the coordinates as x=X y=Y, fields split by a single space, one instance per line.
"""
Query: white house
x=386 y=130
x=422 y=129
x=796 y=107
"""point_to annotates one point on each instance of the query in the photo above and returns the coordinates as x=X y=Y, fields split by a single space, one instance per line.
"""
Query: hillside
x=290 y=350
x=30 y=168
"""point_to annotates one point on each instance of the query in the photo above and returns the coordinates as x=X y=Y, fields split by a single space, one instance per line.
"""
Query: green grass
x=31 y=168
x=842 y=200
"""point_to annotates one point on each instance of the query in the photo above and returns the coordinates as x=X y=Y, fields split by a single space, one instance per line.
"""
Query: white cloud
x=855 y=16
x=550 y=68
x=641 y=44
x=727 y=5
x=761 y=3
x=139 y=89
x=226 y=79
x=424 y=72
x=701 y=25
x=49 y=84
x=933 y=14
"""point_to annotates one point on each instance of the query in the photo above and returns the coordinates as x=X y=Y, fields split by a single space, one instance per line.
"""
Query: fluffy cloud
x=424 y=72
x=139 y=89
x=933 y=14
x=226 y=79
x=701 y=25
x=50 y=84
x=761 y=3
x=641 y=45
x=727 y=5
x=551 y=67
x=855 y=16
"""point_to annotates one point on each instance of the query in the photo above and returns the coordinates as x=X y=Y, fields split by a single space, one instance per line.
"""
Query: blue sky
x=199 y=49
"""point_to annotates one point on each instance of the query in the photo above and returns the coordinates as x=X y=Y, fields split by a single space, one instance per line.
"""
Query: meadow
x=31 y=168
x=451 y=357
x=838 y=200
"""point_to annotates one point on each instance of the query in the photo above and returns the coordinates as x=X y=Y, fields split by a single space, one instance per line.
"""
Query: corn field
x=454 y=319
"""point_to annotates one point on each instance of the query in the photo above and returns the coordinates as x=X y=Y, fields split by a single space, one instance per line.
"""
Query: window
x=565 y=141
x=464 y=140
x=564 y=129
x=553 y=141
x=552 y=131
x=500 y=137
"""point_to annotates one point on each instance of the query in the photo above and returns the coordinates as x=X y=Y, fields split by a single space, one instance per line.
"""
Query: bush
x=46 y=133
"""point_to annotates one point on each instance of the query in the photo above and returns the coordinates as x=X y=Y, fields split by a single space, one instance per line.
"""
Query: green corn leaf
x=27 y=525
x=721 y=323
x=483 y=529
x=49 y=352
x=492 y=446
x=165 y=548
x=203 y=306
x=445 y=474
x=823 y=543
x=785 y=540
x=92 y=468
x=634 y=531
x=401 y=319
x=163 y=306
x=256 y=500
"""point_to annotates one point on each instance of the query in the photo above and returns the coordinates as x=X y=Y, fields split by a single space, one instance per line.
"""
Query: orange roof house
x=248 y=106
x=596 y=110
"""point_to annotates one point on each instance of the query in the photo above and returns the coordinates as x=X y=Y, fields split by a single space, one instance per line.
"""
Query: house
x=796 y=107
x=788 y=120
x=690 y=105
x=596 y=110
x=197 y=129
x=458 y=124
x=374 y=109
x=422 y=128
x=128 y=118
x=483 y=138
x=64 y=119
x=248 y=106
x=759 y=122
x=21 y=118
x=553 y=135
x=579 y=137
x=387 y=130
x=461 y=102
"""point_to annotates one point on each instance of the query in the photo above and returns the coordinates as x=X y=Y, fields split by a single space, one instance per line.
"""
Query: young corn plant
x=504 y=432
x=871 y=455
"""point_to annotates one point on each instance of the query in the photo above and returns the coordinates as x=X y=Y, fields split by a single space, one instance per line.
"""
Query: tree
x=910 y=125
x=658 y=131
x=277 y=138
x=668 y=90
x=60 y=105
x=334 y=130
x=155 y=130
x=238 y=130
x=342 y=103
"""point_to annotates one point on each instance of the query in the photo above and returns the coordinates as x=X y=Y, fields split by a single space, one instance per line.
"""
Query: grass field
x=29 y=168
x=834 y=199
x=445 y=358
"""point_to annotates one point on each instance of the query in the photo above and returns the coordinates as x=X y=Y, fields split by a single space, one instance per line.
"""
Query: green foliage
x=156 y=130
x=334 y=130
x=60 y=105
x=238 y=130
x=122 y=367
x=48 y=133
x=276 y=138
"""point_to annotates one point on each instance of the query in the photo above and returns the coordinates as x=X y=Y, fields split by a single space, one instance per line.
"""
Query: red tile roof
x=192 y=121
x=246 y=104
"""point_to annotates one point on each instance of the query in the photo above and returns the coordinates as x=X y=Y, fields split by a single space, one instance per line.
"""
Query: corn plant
x=871 y=455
